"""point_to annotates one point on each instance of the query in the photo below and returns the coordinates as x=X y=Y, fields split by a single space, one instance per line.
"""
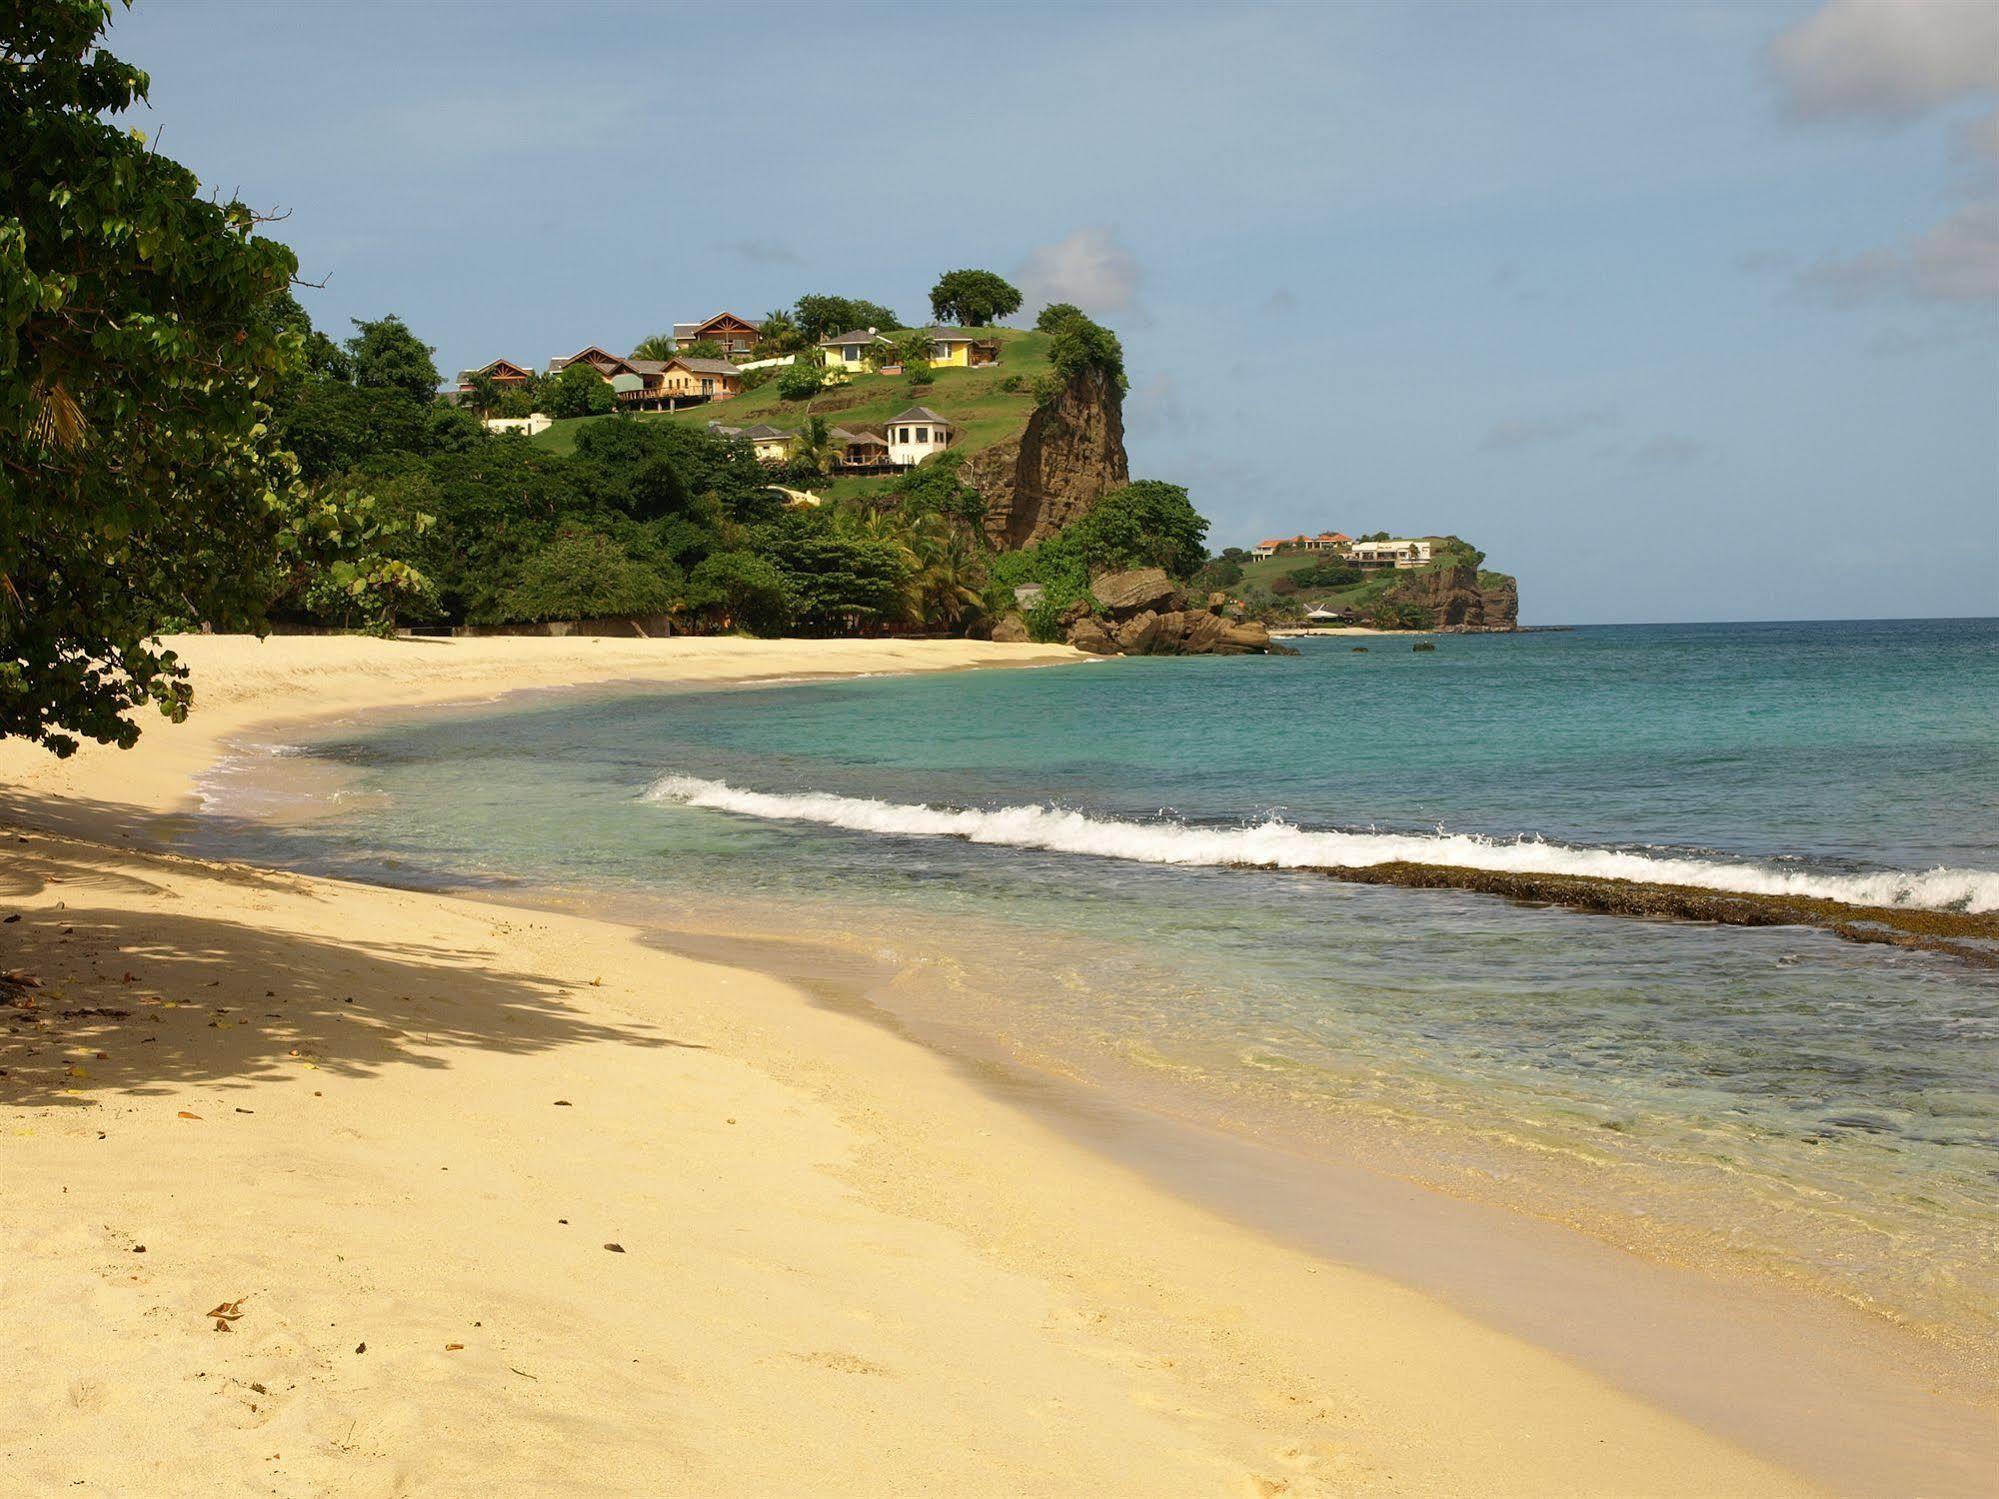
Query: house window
x=707 y=387
x=852 y=353
x=940 y=351
x=905 y=435
x=923 y=434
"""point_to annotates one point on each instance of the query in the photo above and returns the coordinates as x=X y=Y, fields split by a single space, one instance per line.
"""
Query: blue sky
x=1681 y=311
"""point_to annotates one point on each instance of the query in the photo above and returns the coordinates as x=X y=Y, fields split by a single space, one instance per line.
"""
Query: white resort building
x=916 y=435
x=1403 y=552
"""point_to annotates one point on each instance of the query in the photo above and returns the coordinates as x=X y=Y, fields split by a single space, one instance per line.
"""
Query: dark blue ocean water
x=1053 y=857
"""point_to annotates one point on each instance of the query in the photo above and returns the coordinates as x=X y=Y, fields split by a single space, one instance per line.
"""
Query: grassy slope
x=971 y=400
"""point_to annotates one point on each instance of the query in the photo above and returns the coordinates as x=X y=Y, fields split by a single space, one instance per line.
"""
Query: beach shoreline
x=862 y=1155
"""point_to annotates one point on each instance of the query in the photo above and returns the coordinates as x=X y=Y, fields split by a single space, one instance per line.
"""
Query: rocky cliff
x=1145 y=613
x=1459 y=596
x=1069 y=454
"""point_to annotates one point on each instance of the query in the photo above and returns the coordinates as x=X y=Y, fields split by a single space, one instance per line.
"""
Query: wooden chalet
x=670 y=384
x=605 y=363
x=736 y=335
x=502 y=372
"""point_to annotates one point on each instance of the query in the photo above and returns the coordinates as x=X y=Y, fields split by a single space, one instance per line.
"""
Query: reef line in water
x=1972 y=937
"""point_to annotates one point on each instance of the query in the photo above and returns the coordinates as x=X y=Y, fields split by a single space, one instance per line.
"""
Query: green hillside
x=971 y=400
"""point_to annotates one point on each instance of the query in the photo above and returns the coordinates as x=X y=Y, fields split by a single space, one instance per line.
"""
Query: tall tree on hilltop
x=972 y=298
x=387 y=356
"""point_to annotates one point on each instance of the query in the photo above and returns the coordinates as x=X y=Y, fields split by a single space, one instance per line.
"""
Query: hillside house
x=602 y=361
x=1402 y=552
x=961 y=348
x=860 y=452
x=848 y=352
x=736 y=335
x=502 y=372
x=1269 y=548
x=770 y=444
x=682 y=381
x=917 y=434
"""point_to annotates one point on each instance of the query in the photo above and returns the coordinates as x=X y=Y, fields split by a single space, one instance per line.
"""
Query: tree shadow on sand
x=140 y=1003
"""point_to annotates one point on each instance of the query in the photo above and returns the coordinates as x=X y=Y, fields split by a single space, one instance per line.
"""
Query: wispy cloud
x=1761 y=262
x=1280 y=303
x=1510 y=436
x=1895 y=60
x=1668 y=450
x=1090 y=268
x=1954 y=261
x=762 y=252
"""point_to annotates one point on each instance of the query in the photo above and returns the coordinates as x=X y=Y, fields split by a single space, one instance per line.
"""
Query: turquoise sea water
x=1061 y=860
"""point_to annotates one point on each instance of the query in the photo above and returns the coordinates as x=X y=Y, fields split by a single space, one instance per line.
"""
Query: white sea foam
x=1275 y=844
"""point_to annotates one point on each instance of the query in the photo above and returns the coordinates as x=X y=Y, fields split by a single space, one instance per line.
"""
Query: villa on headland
x=1406 y=551
x=1325 y=541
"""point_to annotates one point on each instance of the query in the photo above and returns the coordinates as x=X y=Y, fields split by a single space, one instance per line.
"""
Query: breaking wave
x=1274 y=844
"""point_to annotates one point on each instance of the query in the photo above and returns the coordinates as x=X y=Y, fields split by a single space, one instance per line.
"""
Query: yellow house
x=769 y=444
x=847 y=353
x=960 y=348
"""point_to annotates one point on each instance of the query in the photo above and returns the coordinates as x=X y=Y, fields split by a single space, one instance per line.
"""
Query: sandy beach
x=313 y=1187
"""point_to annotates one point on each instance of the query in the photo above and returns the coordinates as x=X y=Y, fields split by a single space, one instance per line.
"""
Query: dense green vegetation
x=146 y=332
x=985 y=406
x=1284 y=587
x=1146 y=524
x=179 y=447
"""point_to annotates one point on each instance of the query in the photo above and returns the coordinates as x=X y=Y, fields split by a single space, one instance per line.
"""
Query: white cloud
x=1090 y=268
x=1886 y=59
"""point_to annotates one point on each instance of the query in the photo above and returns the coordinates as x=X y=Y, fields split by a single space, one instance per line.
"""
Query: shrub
x=921 y=376
x=800 y=381
x=1011 y=384
x=1326 y=575
x=1081 y=345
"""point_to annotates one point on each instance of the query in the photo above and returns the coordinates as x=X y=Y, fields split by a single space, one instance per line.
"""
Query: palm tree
x=482 y=394
x=816 y=446
x=950 y=577
x=781 y=332
x=659 y=346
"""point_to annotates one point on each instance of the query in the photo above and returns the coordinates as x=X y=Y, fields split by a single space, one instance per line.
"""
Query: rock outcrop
x=1144 y=614
x=1012 y=631
x=1070 y=454
x=1459 y=597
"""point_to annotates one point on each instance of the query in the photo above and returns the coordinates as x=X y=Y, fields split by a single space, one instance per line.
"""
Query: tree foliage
x=141 y=337
x=583 y=574
x=387 y=356
x=1080 y=346
x=1054 y=315
x=654 y=346
x=577 y=390
x=972 y=298
x=818 y=317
